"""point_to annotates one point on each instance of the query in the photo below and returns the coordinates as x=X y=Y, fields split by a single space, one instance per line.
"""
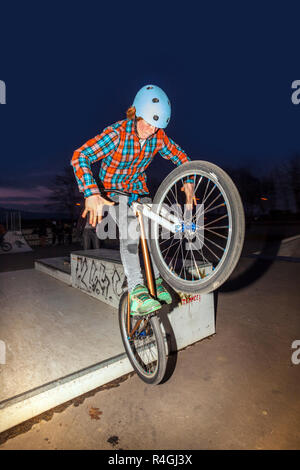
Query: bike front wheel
x=205 y=249
x=144 y=343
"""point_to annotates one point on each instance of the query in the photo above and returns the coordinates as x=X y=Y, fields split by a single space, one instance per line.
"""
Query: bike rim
x=142 y=346
x=200 y=265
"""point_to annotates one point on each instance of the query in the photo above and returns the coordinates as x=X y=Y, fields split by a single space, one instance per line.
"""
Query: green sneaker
x=161 y=292
x=141 y=302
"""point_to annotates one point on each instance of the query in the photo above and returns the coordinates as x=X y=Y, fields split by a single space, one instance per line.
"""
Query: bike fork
x=149 y=277
x=146 y=256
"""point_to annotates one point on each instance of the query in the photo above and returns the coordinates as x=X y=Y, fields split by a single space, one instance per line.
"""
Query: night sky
x=72 y=69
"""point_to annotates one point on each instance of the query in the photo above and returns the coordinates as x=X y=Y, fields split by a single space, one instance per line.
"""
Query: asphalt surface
x=239 y=389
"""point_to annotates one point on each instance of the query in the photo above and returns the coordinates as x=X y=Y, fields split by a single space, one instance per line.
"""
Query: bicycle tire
x=233 y=251
x=158 y=375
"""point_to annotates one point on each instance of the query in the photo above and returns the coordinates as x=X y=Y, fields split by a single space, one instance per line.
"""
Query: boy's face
x=144 y=129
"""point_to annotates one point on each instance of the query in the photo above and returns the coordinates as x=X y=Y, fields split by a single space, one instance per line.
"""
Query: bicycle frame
x=168 y=221
x=147 y=262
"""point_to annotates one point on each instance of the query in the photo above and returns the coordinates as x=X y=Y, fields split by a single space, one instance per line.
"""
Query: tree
x=65 y=197
x=249 y=187
x=286 y=177
x=294 y=173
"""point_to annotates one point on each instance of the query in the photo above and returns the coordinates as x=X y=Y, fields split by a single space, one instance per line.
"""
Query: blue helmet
x=152 y=104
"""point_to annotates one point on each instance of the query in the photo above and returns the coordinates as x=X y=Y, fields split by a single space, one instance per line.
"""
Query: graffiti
x=117 y=283
x=94 y=283
x=186 y=299
x=81 y=270
x=102 y=280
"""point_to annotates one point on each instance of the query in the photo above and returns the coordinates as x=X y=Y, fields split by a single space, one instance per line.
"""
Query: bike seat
x=117 y=191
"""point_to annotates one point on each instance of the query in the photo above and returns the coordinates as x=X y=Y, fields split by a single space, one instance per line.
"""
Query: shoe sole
x=141 y=314
x=165 y=302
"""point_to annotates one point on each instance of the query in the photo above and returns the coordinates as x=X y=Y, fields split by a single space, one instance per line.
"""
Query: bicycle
x=213 y=233
x=5 y=246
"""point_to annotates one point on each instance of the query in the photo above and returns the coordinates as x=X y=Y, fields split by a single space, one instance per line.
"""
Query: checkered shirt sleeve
x=92 y=151
x=172 y=151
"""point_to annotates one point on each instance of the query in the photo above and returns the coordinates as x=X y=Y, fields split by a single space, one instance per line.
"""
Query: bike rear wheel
x=204 y=251
x=144 y=343
x=5 y=246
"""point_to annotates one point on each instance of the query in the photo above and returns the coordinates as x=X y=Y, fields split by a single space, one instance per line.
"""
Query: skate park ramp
x=288 y=250
x=61 y=342
x=17 y=243
x=290 y=247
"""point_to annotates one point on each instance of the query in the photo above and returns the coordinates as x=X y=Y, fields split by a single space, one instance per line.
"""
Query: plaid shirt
x=123 y=161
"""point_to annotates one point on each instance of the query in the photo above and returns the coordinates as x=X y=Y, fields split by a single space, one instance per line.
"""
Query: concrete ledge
x=54 y=267
x=48 y=366
x=100 y=274
x=25 y=406
x=190 y=323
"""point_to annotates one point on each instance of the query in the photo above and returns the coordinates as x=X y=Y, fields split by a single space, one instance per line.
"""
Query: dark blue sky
x=72 y=69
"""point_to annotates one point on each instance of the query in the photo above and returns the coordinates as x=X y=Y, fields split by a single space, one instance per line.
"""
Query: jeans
x=129 y=231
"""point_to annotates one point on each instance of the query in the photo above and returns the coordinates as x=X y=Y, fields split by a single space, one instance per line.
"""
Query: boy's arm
x=92 y=151
x=171 y=151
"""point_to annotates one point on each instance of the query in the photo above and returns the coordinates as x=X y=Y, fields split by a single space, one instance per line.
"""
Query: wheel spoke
x=216 y=207
x=217 y=227
x=215 y=244
x=206 y=209
x=207 y=240
x=175 y=254
x=207 y=247
x=183 y=264
x=196 y=187
x=172 y=245
x=215 y=233
x=216 y=220
x=204 y=198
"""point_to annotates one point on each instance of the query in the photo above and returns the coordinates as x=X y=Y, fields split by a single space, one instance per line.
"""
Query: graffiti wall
x=192 y=318
x=102 y=279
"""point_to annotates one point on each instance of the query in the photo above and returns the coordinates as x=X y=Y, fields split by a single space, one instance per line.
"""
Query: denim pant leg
x=129 y=241
x=147 y=224
x=129 y=231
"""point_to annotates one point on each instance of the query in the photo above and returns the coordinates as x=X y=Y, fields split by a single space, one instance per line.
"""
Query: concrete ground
x=237 y=390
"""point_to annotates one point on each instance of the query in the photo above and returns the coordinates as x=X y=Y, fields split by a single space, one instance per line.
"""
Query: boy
x=126 y=149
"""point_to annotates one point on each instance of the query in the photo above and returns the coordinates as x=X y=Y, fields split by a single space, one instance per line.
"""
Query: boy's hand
x=188 y=188
x=94 y=205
